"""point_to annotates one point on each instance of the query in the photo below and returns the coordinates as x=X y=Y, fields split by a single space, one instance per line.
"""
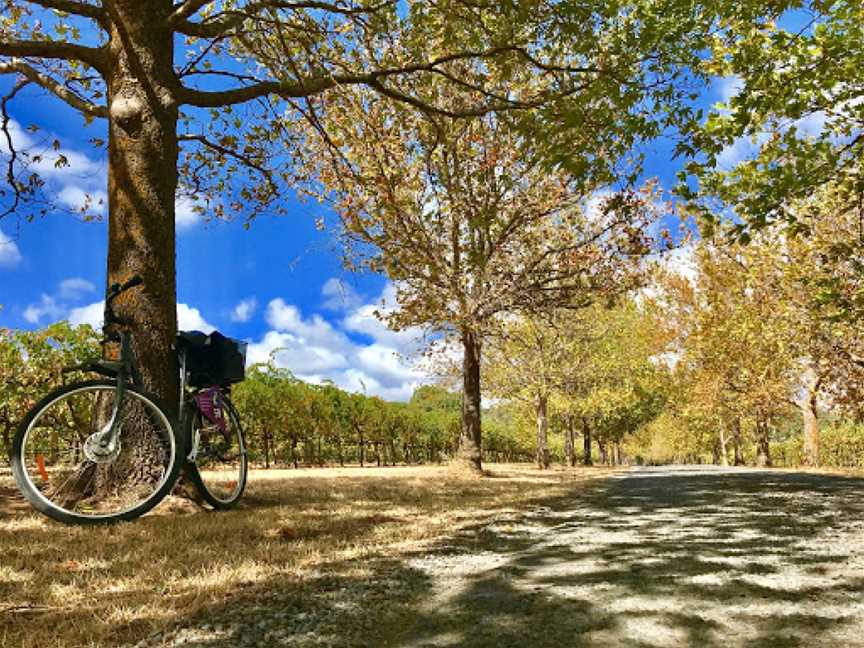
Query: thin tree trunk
x=763 y=450
x=570 y=442
x=810 y=416
x=724 y=451
x=604 y=457
x=619 y=460
x=542 y=457
x=586 y=443
x=736 y=441
x=469 y=452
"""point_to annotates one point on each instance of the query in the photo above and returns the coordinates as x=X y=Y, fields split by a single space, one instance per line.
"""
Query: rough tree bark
x=468 y=456
x=542 y=457
x=142 y=183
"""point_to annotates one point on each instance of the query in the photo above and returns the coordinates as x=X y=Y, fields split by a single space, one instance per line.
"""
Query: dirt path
x=677 y=556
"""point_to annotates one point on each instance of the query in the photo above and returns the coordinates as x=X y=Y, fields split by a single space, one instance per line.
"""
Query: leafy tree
x=31 y=364
x=798 y=105
x=468 y=224
x=169 y=79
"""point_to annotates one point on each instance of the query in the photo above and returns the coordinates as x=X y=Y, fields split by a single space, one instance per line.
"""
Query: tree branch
x=224 y=150
x=318 y=84
x=13 y=154
x=92 y=56
x=76 y=8
x=186 y=9
x=220 y=24
x=54 y=87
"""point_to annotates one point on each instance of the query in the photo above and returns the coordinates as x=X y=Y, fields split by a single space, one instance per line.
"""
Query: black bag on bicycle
x=212 y=359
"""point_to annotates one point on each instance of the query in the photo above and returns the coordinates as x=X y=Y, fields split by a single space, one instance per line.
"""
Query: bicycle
x=105 y=450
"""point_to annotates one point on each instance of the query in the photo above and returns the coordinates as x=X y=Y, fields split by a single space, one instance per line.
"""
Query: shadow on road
x=661 y=557
x=653 y=557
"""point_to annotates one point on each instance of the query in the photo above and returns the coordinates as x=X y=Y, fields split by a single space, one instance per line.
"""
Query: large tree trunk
x=807 y=404
x=542 y=457
x=586 y=442
x=468 y=455
x=142 y=184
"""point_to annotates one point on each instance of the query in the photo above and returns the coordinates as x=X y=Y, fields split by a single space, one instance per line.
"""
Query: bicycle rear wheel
x=63 y=471
x=219 y=467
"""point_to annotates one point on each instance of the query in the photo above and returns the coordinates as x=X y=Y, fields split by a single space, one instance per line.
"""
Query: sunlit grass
x=67 y=586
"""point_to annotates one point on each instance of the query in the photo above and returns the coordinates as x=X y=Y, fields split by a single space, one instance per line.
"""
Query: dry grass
x=63 y=586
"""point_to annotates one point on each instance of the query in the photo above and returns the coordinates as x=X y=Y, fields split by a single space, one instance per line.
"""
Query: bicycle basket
x=212 y=359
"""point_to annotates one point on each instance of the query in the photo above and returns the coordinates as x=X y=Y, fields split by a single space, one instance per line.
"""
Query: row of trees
x=460 y=147
x=767 y=336
x=288 y=422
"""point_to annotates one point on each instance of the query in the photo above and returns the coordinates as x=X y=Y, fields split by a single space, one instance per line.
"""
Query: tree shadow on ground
x=673 y=557
x=687 y=557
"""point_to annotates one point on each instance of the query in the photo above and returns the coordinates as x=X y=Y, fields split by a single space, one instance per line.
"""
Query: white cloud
x=90 y=314
x=185 y=215
x=188 y=318
x=244 y=311
x=593 y=206
x=10 y=255
x=743 y=148
x=364 y=320
x=316 y=350
x=79 y=200
x=49 y=162
x=75 y=287
x=682 y=261
x=339 y=296
x=47 y=308
x=729 y=87
x=287 y=350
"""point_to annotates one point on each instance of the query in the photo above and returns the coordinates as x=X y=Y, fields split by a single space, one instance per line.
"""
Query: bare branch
x=54 y=87
x=76 y=8
x=13 y=154
x=92 y=56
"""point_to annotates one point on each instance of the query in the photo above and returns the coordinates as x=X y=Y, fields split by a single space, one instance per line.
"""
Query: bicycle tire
x=192 y=473
x=50 y=509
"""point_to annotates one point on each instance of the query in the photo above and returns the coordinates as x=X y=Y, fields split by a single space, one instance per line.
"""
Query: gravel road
x=671 y=556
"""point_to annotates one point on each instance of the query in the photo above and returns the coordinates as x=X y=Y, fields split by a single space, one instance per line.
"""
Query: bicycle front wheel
x=218 y=467
x=65 y=471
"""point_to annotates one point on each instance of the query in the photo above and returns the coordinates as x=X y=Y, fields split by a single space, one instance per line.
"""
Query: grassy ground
x=62 y=586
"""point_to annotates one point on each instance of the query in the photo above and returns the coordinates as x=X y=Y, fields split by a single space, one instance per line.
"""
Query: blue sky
x=278 y=284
